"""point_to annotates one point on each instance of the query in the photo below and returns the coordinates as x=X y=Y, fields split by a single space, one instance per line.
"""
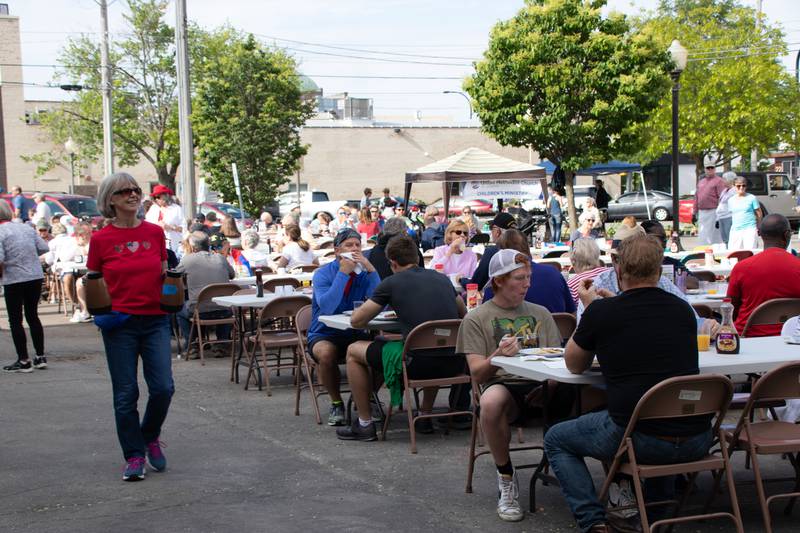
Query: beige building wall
x=344 y=160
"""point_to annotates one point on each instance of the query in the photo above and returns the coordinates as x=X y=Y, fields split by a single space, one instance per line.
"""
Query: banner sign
x=506 y=189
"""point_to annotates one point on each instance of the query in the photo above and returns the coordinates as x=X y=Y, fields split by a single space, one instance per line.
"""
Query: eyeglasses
x=128 y=191
x=342 y=213
x=741 y=186
x=589 y=220
x=459 y=232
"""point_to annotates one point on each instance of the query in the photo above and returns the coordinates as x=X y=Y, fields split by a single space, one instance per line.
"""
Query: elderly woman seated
x=250 y=251
x=585 y=259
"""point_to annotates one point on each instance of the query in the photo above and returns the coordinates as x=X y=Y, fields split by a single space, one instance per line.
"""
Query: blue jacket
x=329 y=298
x=547 y=289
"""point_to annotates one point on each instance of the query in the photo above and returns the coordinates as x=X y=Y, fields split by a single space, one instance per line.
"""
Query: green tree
x=144 y=100
x=734 y=92
x=248 y=109
x=561 y=78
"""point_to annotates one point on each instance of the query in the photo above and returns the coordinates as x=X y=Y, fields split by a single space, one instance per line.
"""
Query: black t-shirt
x=417 y=295
x=642 y=337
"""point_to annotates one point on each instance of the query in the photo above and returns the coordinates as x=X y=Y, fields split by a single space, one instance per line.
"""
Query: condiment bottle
x=439 y=267
x=727 y=336
x=472 y=295
x=172 y=294
x=98 y=301
x=259 y=284
x=709 y=257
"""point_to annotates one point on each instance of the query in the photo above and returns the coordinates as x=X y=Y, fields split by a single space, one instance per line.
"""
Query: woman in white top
x=169 y=215
x=590 y=211
x=255 y=257
x=297 y=251
x=724 y=217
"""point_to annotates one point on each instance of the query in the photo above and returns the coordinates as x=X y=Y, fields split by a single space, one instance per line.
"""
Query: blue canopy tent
x=612 y=167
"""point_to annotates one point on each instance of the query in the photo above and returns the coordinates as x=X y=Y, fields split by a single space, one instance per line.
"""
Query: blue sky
x=442 y=31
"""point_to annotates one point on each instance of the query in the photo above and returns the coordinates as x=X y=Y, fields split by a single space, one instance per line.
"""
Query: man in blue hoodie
x=350 y=278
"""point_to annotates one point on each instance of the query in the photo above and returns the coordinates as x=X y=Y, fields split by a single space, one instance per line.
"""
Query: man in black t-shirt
x=417 y=295
x=640 y=337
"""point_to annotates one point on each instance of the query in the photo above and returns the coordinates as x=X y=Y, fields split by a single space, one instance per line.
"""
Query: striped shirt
x=575 y=280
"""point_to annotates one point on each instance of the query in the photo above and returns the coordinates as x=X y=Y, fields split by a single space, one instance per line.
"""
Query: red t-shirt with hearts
x=131 y=262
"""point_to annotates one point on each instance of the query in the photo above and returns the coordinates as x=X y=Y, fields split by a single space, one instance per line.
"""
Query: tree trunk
x=165 y=177
x=569 y=181
x=699 y=165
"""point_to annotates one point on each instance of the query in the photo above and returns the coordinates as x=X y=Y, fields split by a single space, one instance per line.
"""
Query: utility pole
x=108 y=135
x=754 y=152
x=184 y=111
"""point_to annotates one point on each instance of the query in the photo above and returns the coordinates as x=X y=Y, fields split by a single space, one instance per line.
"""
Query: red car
x=76 y=205
x=479 y=207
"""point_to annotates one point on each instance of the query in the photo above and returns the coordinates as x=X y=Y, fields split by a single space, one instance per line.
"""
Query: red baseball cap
x=158 y=190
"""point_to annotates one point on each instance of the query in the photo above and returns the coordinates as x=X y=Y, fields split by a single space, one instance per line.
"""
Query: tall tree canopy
x=144 y=103
x=734 y=92
x=570 y=83
x=248 y=109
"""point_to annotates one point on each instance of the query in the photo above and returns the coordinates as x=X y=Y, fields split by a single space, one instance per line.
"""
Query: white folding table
x=343 y=322
x=248 y=281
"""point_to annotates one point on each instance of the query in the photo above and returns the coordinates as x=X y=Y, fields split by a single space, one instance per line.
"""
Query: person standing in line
x=169 y=215
x=21 y=275
x=723 y=210
x=131 y=255
x=709 y=190
x=745 y=217
x=554 y=210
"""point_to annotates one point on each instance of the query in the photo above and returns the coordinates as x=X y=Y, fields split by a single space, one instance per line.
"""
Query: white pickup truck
x=311 y=203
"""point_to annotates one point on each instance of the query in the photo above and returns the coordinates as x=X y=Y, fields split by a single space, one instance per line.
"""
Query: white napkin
x=791 y=330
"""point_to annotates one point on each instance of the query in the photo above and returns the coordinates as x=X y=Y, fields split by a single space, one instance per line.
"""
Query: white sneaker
x=508 y=508
x=621 y=495
x=85 y=317
x=76 y=317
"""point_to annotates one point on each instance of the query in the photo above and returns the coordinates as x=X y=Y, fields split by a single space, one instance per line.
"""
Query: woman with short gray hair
x=585 y=259
x=21 y=275
x=724 y=217
x=131 y=255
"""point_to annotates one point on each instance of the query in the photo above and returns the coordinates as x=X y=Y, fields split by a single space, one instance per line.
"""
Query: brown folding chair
x=554 y=254
x=674 y=398
x=775 y=311
x=270 y=284
x=770 y=437
x=554 y=264
x=740 y=254
x=566 y=323
x=326 y=245
x=272 y=333
x=302 y=321
x=206 y=294
x=703 y=311
x=304 y=268
x=438 y=335
x=704 y=275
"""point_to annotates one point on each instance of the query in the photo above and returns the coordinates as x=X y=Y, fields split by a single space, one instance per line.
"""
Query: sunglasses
x=342 y=213
x=128 y=191
x=740 y=186
x=459 y=232
x=589 y=220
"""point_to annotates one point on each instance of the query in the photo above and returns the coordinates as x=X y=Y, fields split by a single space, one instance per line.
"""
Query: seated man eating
x=641 y=337
x=347 y=279
x=417 y=295
x=493 y=330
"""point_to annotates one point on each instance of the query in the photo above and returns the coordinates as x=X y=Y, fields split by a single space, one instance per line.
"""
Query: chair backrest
x=740 y=254
x=704 y=275
x=566 y=323
x=775 y=311
x=703 y=311
x=216 y=289
x=431 y=335
x=554 y=254
x=244 y=292
x=302 y=320
x=270 y=284
x=284 y=307
x=305 y=268
x=781 y=383
x=329 y=253
x=480 y=238
x=326 y=245
x=554 y=264
x=693 y=256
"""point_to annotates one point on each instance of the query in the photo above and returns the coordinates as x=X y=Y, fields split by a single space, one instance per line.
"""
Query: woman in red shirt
x=131 y=254
x=366 y=224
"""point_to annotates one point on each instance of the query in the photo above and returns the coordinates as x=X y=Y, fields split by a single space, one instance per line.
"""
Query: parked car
x=311 y=203
x=228 y=210
x=76 y=205
x=479 y=207
x=633 y=204
x=775 y=192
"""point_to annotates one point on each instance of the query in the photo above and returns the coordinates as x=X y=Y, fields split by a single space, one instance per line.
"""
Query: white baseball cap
x=504 y=262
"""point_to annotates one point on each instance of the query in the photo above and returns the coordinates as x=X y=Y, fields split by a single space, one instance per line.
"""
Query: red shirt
x=774 y=273
x=708 y=192
x=370 y=228
x=131 y=262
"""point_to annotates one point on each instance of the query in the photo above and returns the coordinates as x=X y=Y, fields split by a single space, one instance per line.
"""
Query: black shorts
x=561 y=400
x=341 y=344
x=420 y=366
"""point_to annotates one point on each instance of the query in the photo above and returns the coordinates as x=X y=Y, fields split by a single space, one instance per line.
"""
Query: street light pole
x=71 y=148
x=469 y=102
x=679 y=57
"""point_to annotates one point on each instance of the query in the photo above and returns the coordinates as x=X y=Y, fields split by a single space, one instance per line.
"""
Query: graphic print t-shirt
x=483 y=327
x=130 y=260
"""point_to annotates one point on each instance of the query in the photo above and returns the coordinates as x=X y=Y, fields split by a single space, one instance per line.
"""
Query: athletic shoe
x=76 y=317
x=155 y=456
x=336 y=415
x=357 y=432
x=40 y=362
x=625 y=520
x=84 y=317
x=134 y=469
x=508 y=507
x=17 y=366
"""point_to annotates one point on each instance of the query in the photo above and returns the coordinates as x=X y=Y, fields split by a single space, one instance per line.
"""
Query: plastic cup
x=703 y=335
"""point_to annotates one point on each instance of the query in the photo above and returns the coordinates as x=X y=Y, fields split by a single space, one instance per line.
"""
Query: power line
x=381 y=59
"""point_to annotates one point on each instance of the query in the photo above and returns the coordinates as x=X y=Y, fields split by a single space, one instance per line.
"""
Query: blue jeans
x=725 y=228
x=184 y=317
x=147 y=336
x=555 y=227
x=597 y=435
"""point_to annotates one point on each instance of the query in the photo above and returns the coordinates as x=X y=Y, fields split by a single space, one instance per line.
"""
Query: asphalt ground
x=241 y=461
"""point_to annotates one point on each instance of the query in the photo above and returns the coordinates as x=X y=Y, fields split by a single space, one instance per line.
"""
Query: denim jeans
x=725 y=228
x=147 y=336
x=555 y=227
x=597 y=435
x=184 y=317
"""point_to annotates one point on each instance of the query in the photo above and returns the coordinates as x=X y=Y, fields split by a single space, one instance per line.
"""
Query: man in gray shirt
x=203 y=268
